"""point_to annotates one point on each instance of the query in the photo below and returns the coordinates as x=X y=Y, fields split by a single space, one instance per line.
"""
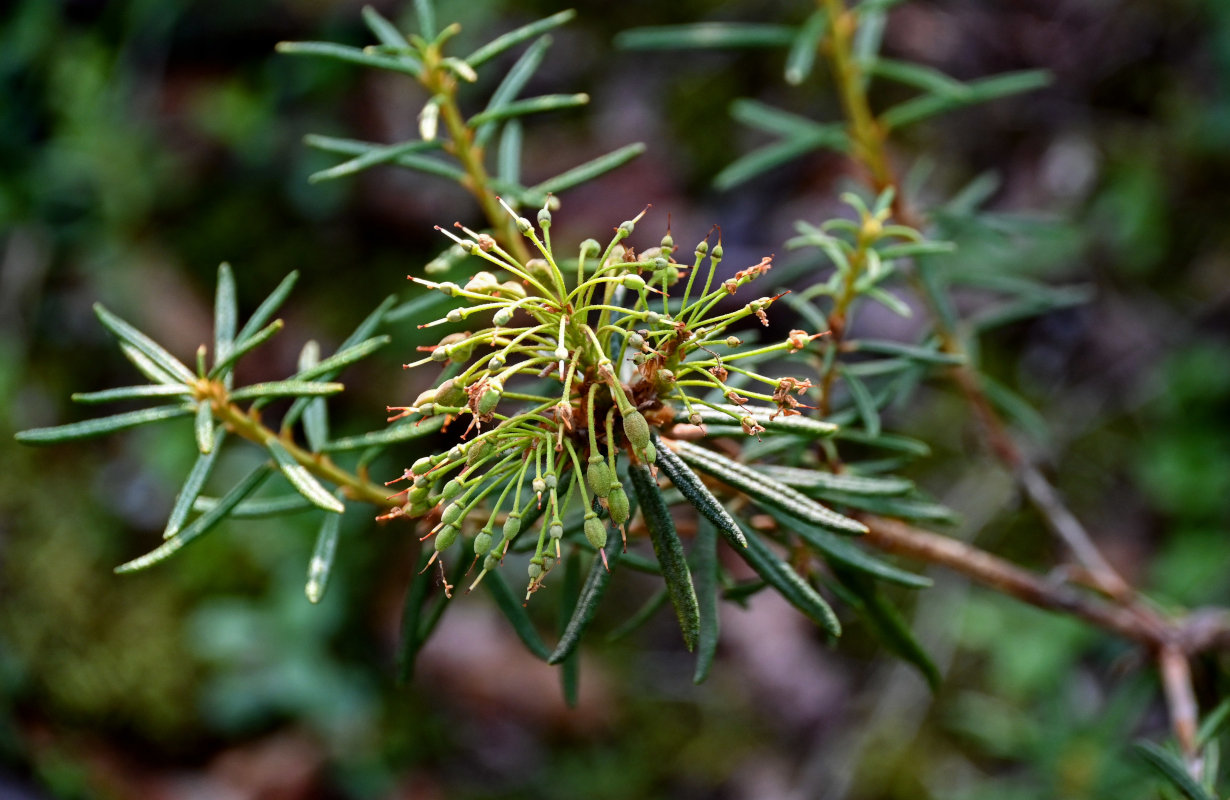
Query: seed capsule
x=534 y=570
x=544 y=218
x=556 y=530
x=482 y=542
x=452 y=513
x=618 y=504
x=478 y=452
x=634 y=282
x=598 y=476
x=548 y=562
x=512 y=526
x=595 y=531
x=490 y=398
x=590 y=247
x=491 y=562
x=446 y=537
x=512 y=289
x=503 y=316
x=637 y=430
x=451 y=489
x=421 y=466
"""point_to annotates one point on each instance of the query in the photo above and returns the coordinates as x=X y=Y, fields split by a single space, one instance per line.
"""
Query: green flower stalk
x=573 y=366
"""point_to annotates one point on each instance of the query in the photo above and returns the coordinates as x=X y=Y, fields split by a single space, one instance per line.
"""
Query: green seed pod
x=733 y=341
x=636 y=341
x=446 y=537
x=598 y=476
x=650 y=454
x=421 y=466
x=540 y=270
x=634 y=282
x=455 y=315
x=461 y=351
x=452 y=513
x=637 y=430
x=534 y=570
x=538 y=485
x=512 y=290
x=668 y=243
x=548 y=562
x=556 y=530
x=595 y=531
x=702 y=249
x=590 y=247
x=544 y=218
x=491 y=562
x=496 y=361
x=418 y=494
x=503 y=316
x=664 y=379
x=423 y=482
x=552 y=480
x=479 y=451
x=618 y=504
x=439 y=354
x=523 y=225
x=424 y=398
x=455 y=453
x=482 y=283
x=449 y=288
x=451 y=489
x=696 y=419
x=490 y=398
x=626 y=227
x=717 y=251
x=450 y=393
x=512 y=526
x=482 y=542
x=561 y=353
x=660 y=264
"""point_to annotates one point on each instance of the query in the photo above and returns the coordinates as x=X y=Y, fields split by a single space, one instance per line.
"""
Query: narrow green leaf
x=245 y=346
x=766 y=490
x=803 y=49
x=410 y=160
x=511 y=606
x=412 y=610
x=304 y=482
x=322 y=557
x=900 y=507
x=642 y=615
x=202 y=524
x=1171 y=767
x=868 y=37
x=704 y=564
x=259 y=509
x=315 y=415
x=532 y=105
x=226 y=312
x=372 y=157
x=770 y=119
x=812 y=479
x=1213 y=723
x=426 y=14
x=925 y=355
x=132 y=393
x=147 y=367
x=920 y=77
x=352 y=55
x=102 y=425
x=698 y=494
x=204 y=426
x=995 y=87
x=344 y=358
x=511 y=85
x=669 y=550
x=890 y=301
x=789 y=584
x=147 y=346
x=1016 y=408
x=289 y=388
x=774 y=155
x=193 y=484
x=888 y=624
x=707 y=35
x=587 y=603
x=913 y=249
x=887 y=441
x=400 y=433
x=384 y=30
x=801 y=425
x=515 y=37
x=569 y=594
x=843 y=552
x=590 y=169
x=268 y=307
x=863 y=401
x=508 y=156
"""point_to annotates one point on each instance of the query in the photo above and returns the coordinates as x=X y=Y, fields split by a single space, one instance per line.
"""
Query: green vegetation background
x=144 y=141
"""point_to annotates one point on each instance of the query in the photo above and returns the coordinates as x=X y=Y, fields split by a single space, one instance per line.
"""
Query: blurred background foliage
x=144 y=141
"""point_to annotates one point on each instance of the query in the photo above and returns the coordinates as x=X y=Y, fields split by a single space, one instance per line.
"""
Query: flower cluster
x=578 y=361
